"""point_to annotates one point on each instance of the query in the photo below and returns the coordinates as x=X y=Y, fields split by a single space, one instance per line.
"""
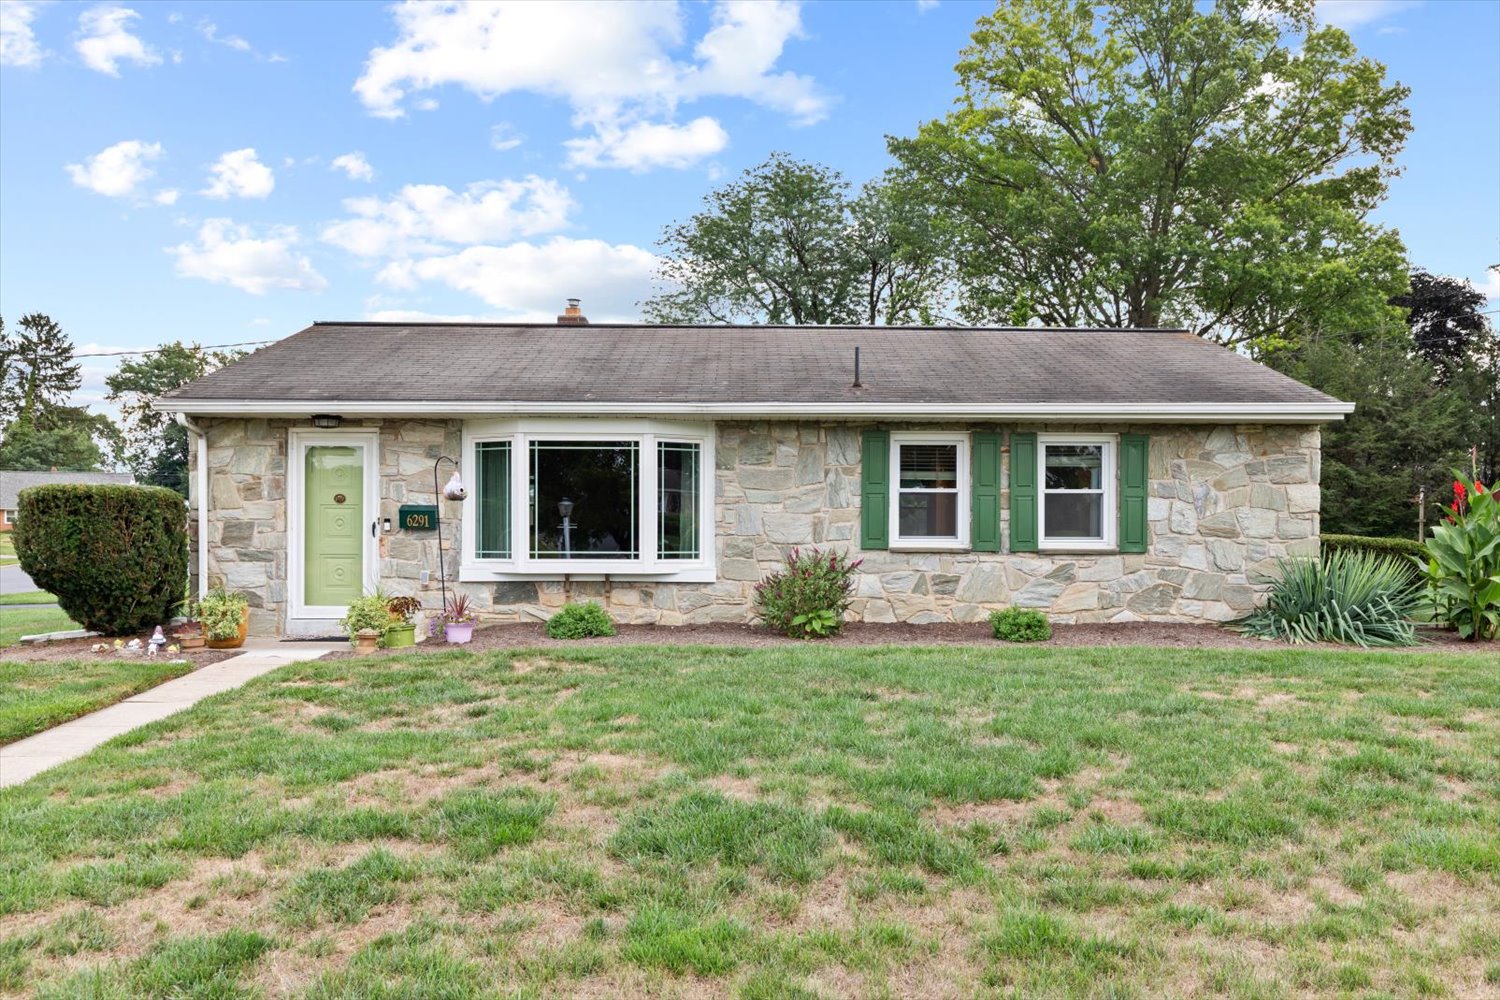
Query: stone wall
x=1225 y=503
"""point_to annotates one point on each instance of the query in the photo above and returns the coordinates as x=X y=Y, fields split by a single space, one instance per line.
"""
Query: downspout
x=201 y=437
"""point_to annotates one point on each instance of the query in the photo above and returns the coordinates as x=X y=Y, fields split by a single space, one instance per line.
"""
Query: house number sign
x=418 y=517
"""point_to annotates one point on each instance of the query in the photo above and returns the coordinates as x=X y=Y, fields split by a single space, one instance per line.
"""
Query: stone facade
x=1225 y=503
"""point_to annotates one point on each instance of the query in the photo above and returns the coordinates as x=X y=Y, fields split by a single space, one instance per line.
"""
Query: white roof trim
x=1293 y=413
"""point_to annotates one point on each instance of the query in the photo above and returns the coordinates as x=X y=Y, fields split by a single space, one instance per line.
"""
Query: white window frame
x=922 y=543
x=647 y=434
x=1109 y=512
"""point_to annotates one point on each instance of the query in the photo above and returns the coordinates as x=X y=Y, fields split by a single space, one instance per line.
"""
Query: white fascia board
x=1287 y=413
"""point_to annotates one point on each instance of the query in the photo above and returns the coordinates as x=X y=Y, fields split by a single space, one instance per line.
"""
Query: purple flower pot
x=458 y=634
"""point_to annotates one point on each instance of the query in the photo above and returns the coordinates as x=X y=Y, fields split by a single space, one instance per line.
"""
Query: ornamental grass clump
x=1348 y=597
x=808 y=598
x=1462 y=568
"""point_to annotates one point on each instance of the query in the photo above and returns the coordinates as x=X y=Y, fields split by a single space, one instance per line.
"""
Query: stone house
x=1098 y=475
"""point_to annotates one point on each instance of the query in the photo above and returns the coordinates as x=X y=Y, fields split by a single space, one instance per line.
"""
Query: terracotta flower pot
x=190 y=640
x=366 y=641
x=234 y=642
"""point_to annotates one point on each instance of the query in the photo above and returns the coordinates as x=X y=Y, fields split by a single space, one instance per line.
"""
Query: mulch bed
x=1162 y=634
x=82 y=649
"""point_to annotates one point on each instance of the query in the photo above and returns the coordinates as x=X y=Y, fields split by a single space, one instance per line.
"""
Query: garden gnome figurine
x=158 y=640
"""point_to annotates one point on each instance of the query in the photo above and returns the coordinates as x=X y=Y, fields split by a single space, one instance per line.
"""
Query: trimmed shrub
x=115 y=556
x=1350 y=596
x=1020 y=625
x=808 y=598
x=1366 y=543
x=580 y=621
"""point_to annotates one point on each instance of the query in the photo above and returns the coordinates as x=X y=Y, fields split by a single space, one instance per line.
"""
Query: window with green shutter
x=1023 y=493
x=1135 y=461
x=875 y=490
x=984 y=465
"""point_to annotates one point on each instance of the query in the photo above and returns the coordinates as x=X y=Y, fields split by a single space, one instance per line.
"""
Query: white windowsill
x=929 y=546
x=489 y=574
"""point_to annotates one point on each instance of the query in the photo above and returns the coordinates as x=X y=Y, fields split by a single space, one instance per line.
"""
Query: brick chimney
x=572 y=315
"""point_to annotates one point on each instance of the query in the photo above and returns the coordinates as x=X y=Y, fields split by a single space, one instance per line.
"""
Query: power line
x=158 y=350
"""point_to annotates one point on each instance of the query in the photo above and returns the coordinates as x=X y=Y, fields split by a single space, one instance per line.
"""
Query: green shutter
x=875 y=491
x=1023 y=493
x=984 y=462
x=1135 y=452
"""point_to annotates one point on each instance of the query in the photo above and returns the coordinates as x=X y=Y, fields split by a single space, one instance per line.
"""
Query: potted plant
x=457 y=620
x=189 y=633
x=224 y=618
x=366 y=622
x=402 y=630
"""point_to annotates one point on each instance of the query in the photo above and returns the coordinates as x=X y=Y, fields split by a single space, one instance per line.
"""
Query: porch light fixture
x=326 y=421
x=455 y=490
x=565 y=511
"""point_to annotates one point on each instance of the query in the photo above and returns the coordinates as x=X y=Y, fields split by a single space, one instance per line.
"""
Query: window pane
x=677 y=501
x=1075 y=515
x=928 y=515
x=1074 y=466
x=929 y=466
x=492 y=479
x=599 y=479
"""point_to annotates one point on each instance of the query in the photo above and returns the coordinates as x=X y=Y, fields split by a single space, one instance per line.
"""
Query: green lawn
x=785 y=822
x=7 y=550
x=28 y=597
x=16 y=622
x=36 y=696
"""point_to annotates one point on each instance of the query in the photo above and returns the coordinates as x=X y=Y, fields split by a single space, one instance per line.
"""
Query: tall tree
x=1153 y=162
x=156 y=447
x=37 y=369
x=785 y=243
x=1446 y=319
x=67 y=445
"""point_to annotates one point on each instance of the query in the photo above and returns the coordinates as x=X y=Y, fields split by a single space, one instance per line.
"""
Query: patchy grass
x=29 y=597
x=38 y=695
x=807 y=822
x=16 y=622
x=8 y=555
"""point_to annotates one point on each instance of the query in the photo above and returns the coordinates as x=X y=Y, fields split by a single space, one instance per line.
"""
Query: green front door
x=333 y=563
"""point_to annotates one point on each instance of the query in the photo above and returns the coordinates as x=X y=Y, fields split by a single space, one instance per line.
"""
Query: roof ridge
x=800 y=327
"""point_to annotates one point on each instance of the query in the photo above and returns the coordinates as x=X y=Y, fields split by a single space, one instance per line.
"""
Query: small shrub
x=580 y=621
x=808 y=598
x=115 y=556
x=1351 y=596
x=368 y=612
x=220 y=613
x=1020 y=625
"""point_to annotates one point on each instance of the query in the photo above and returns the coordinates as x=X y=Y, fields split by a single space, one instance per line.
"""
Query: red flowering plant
x=1463 y=565
x=807 y=599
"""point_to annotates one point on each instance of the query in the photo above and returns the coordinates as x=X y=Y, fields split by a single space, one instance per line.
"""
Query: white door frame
x=299 y=439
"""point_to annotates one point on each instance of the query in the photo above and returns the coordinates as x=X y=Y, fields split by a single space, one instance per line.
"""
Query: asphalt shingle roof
x=13 y=482
x=345 y=362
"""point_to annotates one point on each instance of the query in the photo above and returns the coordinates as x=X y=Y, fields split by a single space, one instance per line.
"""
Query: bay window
x=588 y=498
x=1077 y=478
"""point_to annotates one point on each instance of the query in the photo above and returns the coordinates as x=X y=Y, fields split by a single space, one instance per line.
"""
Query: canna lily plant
x=1463 y=565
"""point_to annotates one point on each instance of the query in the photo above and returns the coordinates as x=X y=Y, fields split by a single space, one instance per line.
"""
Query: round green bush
x=1020 y=625
x=115 y=556
x=580 y=621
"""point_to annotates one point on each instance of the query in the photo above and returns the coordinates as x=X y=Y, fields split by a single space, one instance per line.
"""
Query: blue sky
x=228 y=172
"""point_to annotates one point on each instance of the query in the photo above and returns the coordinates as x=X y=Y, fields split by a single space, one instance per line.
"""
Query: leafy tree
x=786 y=244
x=69 y=447
x=1155 y=162
x=37 y=369
x=156 y=447
x=1446 y=320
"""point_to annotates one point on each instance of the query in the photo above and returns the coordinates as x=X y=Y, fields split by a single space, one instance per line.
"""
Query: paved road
x=13 y=580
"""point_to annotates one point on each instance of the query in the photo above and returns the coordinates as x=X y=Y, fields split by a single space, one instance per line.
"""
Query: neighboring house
x=13 y=482
x=1099 y=475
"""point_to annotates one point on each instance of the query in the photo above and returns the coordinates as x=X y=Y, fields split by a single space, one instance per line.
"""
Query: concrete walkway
x=29 y=757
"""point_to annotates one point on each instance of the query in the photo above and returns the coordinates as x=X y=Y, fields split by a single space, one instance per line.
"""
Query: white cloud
x=504 y=137
x=421 y=316
x=1351 y=14
x=1489 y=285
x=354 y=165
x=528 y=280
x=239 y=174
x=210 y=31
x=229 y=254
x=117 y=170
x=105 y=40
x=643 y=145
x=166 y=197
x=431 y=218
x=630 y=77
x=18 y=45
x=923 y=6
